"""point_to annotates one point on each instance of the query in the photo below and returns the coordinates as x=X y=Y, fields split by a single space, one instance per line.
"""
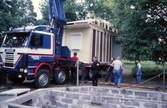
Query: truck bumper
x=20 y=75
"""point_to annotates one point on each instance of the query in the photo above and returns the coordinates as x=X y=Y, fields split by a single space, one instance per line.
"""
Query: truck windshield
x=15 y=39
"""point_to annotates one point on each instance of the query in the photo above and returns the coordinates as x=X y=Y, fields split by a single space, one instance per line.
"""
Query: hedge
x=148 y=71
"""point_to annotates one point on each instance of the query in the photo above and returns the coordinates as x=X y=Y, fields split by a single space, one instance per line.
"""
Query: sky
x=36 y=8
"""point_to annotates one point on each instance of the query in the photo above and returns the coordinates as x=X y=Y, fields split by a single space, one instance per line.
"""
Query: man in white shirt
x=117 y=64
x=138 y=72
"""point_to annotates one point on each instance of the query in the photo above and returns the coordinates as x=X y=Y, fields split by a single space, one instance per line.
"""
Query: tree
x=158 y=21
x=141 y=25
x=93 y=9
x=45 y=13
x=16 y=13
x=79 y=11
x=99 y=9
x=4 y=17
x=22 y=13
x=70 y=8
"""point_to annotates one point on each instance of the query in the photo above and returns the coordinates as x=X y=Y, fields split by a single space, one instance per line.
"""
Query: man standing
x=95 y=68
x=117 y=64
x=138 y=72
x=74 y=70
x=82 y=67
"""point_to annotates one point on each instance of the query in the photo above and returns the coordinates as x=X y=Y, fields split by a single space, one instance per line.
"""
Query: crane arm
x=57 y=22
x=57 y=14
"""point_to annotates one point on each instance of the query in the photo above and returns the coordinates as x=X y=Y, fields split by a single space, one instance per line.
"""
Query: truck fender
x=57 y=68
x=43 y=65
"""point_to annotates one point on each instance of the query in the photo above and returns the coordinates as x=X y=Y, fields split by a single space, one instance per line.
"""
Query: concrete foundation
x=12 y=93
x=88 y=97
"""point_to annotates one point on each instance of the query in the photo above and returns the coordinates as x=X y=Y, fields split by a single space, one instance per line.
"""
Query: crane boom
x=57 y=22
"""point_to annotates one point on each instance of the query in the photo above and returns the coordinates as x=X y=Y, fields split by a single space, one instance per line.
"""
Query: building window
x=76 y=41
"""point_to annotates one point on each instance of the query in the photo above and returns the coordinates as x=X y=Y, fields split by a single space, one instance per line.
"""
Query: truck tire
x=90 y=75
x=17 y=80
x=61 y=76
x=42 y=79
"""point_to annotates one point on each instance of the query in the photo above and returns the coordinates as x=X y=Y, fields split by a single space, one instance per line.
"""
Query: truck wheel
x=42 y=79
x=60 y=76
x=90 y=75
x=17 y=80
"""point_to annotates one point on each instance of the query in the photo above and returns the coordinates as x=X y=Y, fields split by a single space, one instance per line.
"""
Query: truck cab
x=31 y=53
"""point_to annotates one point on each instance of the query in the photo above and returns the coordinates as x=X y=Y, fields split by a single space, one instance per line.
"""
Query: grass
x=131 y=64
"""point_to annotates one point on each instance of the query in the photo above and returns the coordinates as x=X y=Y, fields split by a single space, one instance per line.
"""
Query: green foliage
x=3 y=15
x=16 y=13
x=93 y=9
x=70 y=8
x=79 y=11
x=45 y=13
x=131 y=64
x=148 y=71
x=141 y=23
x=41 y=22
x=149 y=68
x=128 y=64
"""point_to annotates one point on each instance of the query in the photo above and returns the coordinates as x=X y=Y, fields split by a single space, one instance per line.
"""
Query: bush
x=148 y=71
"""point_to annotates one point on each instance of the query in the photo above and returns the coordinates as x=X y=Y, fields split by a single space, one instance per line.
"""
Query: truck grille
x=9 y=59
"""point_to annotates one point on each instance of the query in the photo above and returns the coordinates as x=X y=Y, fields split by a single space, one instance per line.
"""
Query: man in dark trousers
x=95 y=68
x=82 y=67
x=74 y=70
x=110 y=71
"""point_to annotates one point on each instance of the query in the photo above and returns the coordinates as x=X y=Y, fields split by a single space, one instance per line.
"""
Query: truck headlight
x=25 y=70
